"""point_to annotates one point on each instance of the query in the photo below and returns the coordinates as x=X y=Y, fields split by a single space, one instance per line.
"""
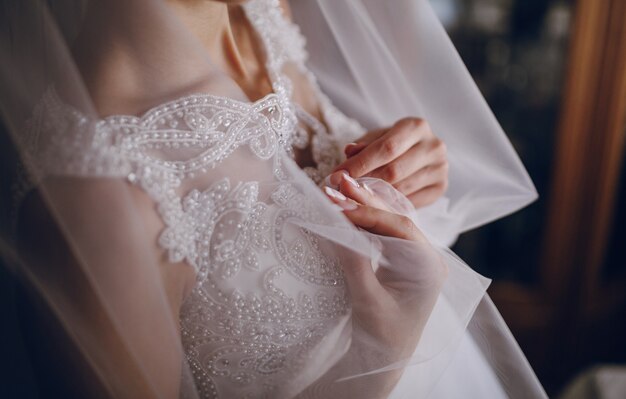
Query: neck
x=216 y=25
x=114 y=52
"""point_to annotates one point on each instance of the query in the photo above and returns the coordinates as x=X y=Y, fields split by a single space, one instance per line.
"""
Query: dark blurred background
x=553 y=73
x=516 y=51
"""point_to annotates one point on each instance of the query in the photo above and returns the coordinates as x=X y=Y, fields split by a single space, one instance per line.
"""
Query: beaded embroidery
x=240 y=339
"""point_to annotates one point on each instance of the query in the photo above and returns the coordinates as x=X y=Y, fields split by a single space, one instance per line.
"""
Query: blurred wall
x=553 y=71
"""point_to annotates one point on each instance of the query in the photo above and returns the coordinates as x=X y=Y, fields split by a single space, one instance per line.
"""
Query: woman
x=167 y=151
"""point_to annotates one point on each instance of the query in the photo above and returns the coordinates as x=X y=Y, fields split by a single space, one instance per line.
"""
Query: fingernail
x=368 y=188
x=343 y=202
x=335 y=178
x=350 y=180
x=349 y=148
x=334 y=193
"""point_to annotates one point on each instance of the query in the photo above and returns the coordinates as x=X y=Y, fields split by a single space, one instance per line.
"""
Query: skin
x=380 y=299
x=407 y=155
x=116 y=84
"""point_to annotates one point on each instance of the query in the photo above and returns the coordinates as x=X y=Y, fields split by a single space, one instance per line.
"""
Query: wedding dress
x=269 y=314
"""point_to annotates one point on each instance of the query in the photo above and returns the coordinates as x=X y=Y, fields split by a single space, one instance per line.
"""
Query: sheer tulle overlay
x=161 y=218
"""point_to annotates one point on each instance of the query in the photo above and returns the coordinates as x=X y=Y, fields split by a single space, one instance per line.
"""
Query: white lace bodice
x=267 y=296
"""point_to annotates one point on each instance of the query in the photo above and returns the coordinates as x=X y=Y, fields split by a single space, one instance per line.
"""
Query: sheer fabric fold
x=380 y=61
x=160 y=215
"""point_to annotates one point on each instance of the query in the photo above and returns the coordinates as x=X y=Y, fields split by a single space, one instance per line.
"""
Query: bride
x=209 y=207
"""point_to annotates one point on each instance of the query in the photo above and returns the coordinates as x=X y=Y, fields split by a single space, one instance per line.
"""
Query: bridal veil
x=271 y=316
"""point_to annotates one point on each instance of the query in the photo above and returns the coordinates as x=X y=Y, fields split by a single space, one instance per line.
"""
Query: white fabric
x=380 y=61
x=193 y=172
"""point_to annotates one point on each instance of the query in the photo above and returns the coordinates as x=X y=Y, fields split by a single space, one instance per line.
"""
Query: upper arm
x=87 y=254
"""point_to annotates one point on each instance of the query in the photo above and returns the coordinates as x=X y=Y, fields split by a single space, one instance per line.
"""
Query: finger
x=338 y=198
x=404 y=166
x=363 y=284
x=417 y=157
x=375 y=220
x=427 y=195
x=356 y=147
x=427 y=176
x=382 y=150
x=384 y=223
x=353 y=149
x=372 y=135
x=360 y=193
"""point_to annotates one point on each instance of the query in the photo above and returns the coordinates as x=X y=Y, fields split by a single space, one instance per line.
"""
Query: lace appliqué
x=285 y=43
x=233 y=215
x=237 y=335
x=268 y=292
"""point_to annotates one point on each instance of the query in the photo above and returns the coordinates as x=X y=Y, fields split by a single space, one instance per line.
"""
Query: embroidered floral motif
x=267 y=292
x=234 y=217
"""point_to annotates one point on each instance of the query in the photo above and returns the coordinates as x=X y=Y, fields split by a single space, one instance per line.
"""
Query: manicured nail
x=352 y=149
x=349 y=148
x=342 y=201
x=350 y=180
x=368 y=188
x=336 y=177
x=334 y=194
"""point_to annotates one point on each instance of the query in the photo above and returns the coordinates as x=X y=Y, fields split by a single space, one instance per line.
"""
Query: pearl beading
x=240 y=340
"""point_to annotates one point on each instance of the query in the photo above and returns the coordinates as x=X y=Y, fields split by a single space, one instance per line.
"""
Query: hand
x=408 y=155
x=387 y=298
x=389 y=310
